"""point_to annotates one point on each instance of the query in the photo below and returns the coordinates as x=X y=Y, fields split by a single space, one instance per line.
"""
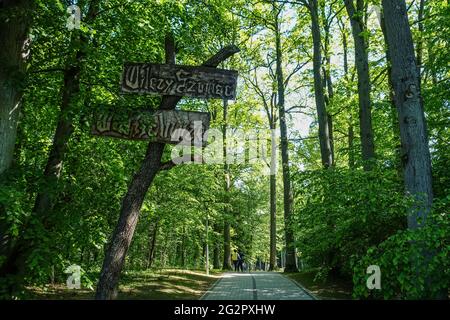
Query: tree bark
x=226 y=246
x=328 y=82
x=362 y=67
x=350 y=128
x=115 y=256
x=44 y=200
x=351 y=139
x=152 y=243
x=324 y=133
x=395 y=124
x=71 y=87
x=273 y=213
x=227 y=185
x=217 y=244
x=291 y=265
x=420 y=40
x=416 y=159
x=216 y=255
x=14 y=23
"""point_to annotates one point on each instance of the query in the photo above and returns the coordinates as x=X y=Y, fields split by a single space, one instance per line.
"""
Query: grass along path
x=330 y=289
x=169 y=284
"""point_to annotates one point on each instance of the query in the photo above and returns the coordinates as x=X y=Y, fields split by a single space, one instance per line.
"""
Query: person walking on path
x=241 y=261
x=235 y=259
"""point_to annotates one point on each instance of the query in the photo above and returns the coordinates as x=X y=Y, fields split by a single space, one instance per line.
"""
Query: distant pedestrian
x=235 y=259
x=240 y=263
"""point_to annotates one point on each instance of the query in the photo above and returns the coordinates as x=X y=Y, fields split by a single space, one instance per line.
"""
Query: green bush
x=414 y=264
x=341 y=213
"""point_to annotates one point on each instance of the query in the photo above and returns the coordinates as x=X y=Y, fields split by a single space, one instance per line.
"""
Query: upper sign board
x=178 y=80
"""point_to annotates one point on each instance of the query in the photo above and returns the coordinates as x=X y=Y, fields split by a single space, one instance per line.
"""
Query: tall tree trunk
x=129 y=214
x=416 y=160
x=416 y=155
x=419 y=50
x=14 y=23
x=395 y=124
x=131 y=205
x=291 y=265
x=216 y=255
x=71 y=87
x=217 y=244
x=324 y=133
x=226 y=246
x=350 y=129
x=328 y=83
x=273 y=199
x=207 y=245
x=362 y=67
x=152 y=243
x=351 y=139
x=227 y=185
x=45 y=198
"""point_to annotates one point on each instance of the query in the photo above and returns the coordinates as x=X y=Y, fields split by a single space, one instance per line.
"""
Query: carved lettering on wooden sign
x=177 y=80
x=166 y=126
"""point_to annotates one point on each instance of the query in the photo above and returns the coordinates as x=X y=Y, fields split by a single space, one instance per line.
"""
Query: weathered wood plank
x=178 y=80
x=167 y=126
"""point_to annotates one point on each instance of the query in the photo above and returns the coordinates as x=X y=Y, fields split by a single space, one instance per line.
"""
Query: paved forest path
x=256 y=286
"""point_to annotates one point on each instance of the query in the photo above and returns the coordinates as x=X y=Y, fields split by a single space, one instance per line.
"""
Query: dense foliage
x=344 y=218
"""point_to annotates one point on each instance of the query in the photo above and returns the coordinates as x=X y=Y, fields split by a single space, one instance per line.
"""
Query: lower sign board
x=166 y=126
x=179 y=80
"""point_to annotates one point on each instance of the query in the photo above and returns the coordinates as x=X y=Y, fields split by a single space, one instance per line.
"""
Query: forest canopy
x=345 y=104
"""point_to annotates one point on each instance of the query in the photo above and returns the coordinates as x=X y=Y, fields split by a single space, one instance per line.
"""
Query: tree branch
x=193 y=158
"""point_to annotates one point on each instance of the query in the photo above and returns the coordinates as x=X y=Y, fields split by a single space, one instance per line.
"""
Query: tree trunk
x=14 y=23
x=71 y=87
x=351 y=139
x=324 y=133
x=395 y=124
x=217 y=243
x=416 y=160
x=207 y=245
x=273 y=205
x=420 y=40
x=291 y=265
x=226 y=247
x=123 y=233
x=152 y=242
x=131 y=205
x=107 y=287
x=362 y=67
x=226 y=170
x=328 y=83
x=216 y=255
x=44 y=200
x=350 y=129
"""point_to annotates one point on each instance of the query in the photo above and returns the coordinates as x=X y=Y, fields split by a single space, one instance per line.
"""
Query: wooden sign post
x=189 y=81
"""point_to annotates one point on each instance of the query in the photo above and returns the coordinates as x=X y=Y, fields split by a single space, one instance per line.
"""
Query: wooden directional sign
x=167 y=126
x=177 y=80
